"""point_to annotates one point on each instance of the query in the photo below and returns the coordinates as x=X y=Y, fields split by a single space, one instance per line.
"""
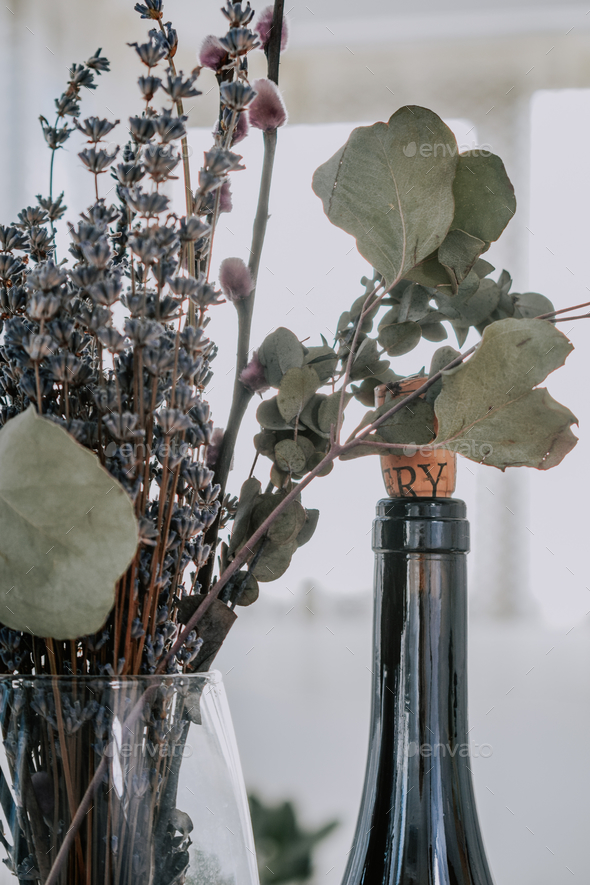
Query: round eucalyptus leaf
x=274 y=561
x=400 y=338
x=317 y=459
x=67 y=529
x=264 y=443
x=531 y=304
x=297 y=388
x=324 y=360
x=249 y=591
x=309 y=527
x=279 y=352
x=269 y=417
x=434 y=332
x=289 y=457
x=415 y=303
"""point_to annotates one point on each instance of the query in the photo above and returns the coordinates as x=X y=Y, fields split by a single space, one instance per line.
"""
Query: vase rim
x=213 y=677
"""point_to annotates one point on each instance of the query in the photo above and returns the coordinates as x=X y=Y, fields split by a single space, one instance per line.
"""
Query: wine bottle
x=418 y=823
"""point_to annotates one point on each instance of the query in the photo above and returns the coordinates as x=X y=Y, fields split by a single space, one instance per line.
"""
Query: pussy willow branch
x=241 y=395
x=274 y=44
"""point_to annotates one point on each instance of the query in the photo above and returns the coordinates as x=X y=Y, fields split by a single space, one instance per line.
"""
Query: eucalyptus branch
x=336 y=450
x=367 y=306
x=241 y=395
x=583 y=316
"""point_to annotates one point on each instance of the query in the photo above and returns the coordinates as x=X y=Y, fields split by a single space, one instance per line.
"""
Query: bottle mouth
x=421 y=525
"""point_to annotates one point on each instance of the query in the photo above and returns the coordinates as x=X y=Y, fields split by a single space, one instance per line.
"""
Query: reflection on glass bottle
x=418 y=822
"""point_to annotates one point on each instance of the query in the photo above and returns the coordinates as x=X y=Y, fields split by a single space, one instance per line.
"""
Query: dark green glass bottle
x=418 y=822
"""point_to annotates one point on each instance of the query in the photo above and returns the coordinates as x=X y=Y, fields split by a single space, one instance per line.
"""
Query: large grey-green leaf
x=297 y=388
x=67 y=531
x=279 y=352
x=533 y=431
x=484 y=196
x=395 y=198
x=487 y=401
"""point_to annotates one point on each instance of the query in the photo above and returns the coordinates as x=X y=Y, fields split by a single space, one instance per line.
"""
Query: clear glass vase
x=168 y=805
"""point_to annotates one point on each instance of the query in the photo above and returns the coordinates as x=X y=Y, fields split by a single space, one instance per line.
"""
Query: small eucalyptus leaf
x=531 y=304
x=458 y=253
x=307 y=531
x=400 y=338
x=440 y=358
x=309 y=415
x=274 y=561
x=414 y=423
x=434 y=331
x=279 y=352
x=366 y=361
x=247 y=586
x=477 y=307
x=265 y=442
x=269 y=417
x=324 y=360
x=483 y=268
x=317 y=459
x=461 y=332
x=68 y=531
x=328 y=411
x=298 y=385
x=290 y=457
x=415 y=304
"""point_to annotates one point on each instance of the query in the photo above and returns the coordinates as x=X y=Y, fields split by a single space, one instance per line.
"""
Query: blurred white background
x=515 y=76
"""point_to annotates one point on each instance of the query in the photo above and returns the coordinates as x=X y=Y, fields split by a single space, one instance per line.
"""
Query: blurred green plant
x=285 y=850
